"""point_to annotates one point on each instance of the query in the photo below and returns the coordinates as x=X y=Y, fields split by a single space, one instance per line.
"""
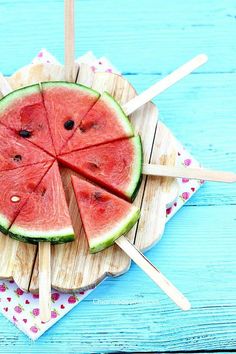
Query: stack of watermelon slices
x=70 y=124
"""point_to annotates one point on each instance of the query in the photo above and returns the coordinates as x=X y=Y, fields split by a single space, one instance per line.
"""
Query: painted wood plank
x=169 y=34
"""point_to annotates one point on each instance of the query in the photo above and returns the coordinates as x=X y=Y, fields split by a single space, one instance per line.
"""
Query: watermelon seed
x=69 y=124
x=82 y=129
x=17 y=158
x=97 y=195
x=43 y=192
x=93 y=165
x=25 y=133
x=15 y=199
x=89 y=125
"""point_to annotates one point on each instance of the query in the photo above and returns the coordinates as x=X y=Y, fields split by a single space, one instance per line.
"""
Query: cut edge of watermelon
x=70 y=85
x=98 y=244
x=123 y=118
x=53 y=236
x=19 y=93
x=136 y=179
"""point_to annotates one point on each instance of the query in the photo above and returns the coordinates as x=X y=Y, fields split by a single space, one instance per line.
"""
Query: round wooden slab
x=73 y=268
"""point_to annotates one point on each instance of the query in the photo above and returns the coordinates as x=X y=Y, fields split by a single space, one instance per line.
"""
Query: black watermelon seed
x=43 y=192
x=17 y=158
x=97 y=195
x=25 y=133
x=82 y=129
x=69 y=124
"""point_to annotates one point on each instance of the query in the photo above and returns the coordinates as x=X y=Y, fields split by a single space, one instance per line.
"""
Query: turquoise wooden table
x=146 y=39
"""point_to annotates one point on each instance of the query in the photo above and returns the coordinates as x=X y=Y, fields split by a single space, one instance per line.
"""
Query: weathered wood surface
x=146 y=40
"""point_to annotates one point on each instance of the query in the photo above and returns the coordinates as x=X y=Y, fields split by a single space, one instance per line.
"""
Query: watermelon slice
x=105 y=217
x=16 y=152
x=117 y=166
x=45 y=216
x=17 y=186
x=105 y=122
x=66 y=105
x=23 y=111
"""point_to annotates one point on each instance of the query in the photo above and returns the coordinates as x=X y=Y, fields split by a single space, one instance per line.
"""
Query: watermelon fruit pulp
x=66 y=105
x=117 y=166
x=23 y=111
x=16 y=152
x=18 y=185
x=105 y=217
x=47 y=211
x=105 y=122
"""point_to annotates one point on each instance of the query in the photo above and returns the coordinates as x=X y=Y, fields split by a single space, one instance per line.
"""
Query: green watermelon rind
x=6 y=101
x=123 y=118
x=97 y=244
x=53 y=236
x=70 y=85
x=4 y=224
x=136 y=178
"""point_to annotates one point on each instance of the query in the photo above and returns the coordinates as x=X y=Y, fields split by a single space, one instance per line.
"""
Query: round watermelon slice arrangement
x=70 y=124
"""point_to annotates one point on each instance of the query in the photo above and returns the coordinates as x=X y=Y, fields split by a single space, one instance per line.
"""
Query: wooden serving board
x=73 y=268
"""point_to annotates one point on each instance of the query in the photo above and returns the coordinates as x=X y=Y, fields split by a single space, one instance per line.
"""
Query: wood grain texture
x=146 y=40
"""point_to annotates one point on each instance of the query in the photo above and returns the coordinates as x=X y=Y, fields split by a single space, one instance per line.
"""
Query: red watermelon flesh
x=66 y=105
x=18 y=185
x=105 y=217
x=117 y=166
x=45 y=216
x=17 y=152
x=105 y=122
x=23 y=111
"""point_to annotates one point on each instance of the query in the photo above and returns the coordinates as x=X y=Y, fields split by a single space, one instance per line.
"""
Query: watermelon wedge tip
x=116 y=166
x=45 y=216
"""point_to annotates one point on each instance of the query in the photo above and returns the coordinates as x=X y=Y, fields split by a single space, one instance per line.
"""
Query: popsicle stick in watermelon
x=67 y=103
x=190 y=173
x=165 y=83
x=59 y=197
x=116 y=166
x=106 y=218
x=107 y=120
x=45 y=218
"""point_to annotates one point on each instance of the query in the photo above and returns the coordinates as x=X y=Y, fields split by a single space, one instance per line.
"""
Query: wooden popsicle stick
x=45 y=247
x=169 y=289
x=164 y=84
x=69 y=39
x=45 y=281
x=191 y=173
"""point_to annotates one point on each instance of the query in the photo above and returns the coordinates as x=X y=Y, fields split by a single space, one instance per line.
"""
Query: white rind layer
x=41 y=233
